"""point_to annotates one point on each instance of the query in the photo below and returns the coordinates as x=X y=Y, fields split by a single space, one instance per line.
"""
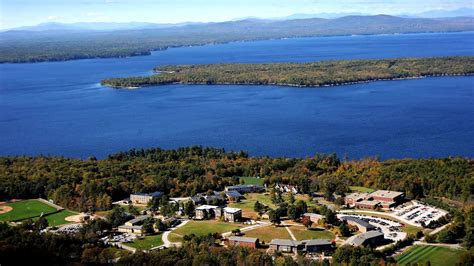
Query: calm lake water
x=59 y=108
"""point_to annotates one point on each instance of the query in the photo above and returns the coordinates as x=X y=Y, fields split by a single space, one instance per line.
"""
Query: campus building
x=361 y=225
x=371 y=238
x=144 y=198
x=367 y=204
x=245 y=188
x=353 y=198
x=243 y=241
x=133 y=226
x=232 y=214
x=387 y=196
x=233 y=195
x=314 y=245
x=287 y=188
x=314 y=217
x=207 y=212
x=380 y=198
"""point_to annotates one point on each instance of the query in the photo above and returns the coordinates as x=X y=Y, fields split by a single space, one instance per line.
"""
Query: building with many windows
x=144 y=198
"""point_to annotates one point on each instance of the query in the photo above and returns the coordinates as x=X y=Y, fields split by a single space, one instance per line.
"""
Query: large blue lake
x=59 y=108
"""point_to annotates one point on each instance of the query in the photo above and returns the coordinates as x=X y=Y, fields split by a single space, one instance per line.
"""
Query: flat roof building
x=352 y=198
x=367 y=204
x=232 y=214
x=387 y=195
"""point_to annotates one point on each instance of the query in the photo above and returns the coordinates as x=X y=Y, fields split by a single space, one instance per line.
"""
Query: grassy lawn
x=56 y=219
x=202 y=228
x=301 y=233
x=437 y=256
x=249 y=180
x=361 y=189
x=268 y=233
x=26 y=209
x=305 y=198
x=248 y=203
x=147 y=242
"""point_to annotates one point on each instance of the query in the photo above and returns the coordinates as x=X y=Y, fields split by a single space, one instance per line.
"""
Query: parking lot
x=391 y=230
x=419 y=213
x=119 y=238
x=69 y=229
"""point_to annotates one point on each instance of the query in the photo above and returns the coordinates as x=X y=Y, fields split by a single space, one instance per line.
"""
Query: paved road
x=439 y=229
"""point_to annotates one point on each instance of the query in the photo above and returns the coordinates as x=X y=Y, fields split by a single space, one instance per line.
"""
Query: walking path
x=456 y=246
x=248 y=228
x=291 y=233
x=168 y=243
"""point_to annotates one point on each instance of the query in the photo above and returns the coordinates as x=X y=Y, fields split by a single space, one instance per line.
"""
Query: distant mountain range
x=100 y=26
x=113 y=26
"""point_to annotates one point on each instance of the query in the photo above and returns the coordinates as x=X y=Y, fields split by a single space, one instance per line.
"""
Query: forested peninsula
x=314 y=74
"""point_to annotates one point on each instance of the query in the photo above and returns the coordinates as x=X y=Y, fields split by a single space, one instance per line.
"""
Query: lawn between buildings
x=437 y=256
x=247 y=204
x=147 y=242
x=202 y=228
x=249 y=180
x=361 y=189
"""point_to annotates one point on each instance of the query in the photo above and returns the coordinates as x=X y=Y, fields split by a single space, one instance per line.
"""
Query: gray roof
x=243 y=239
x=316 y=242
x=156 y=194
x=359 y=222
x=284 y=242
x=292 y=243
x=233 y=194
x=360 y=239
x=138 y=219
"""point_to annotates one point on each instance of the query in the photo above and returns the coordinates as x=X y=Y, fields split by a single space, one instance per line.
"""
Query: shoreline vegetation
x=51 y=46
x=313 y=74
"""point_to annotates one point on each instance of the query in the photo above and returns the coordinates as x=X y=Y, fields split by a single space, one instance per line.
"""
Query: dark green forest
x=30 y=46
x=301 y=74
x=93 y=184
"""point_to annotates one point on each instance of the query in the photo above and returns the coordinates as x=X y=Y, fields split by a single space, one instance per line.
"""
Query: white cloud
x=111 y=1
x=52 y=18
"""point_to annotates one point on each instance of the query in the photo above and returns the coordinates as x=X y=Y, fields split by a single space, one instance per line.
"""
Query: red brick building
x=387 y=196
x=243 y=241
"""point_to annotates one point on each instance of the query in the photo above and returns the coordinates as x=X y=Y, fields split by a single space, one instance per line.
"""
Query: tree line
x=91 y=184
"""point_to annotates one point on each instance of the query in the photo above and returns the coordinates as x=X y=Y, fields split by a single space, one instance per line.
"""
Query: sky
x=15 y=13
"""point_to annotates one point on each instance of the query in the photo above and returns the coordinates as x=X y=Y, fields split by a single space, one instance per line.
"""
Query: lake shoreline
x=290 y=85
x=160 y=49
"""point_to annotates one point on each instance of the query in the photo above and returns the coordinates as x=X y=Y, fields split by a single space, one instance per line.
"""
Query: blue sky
x=14 y=13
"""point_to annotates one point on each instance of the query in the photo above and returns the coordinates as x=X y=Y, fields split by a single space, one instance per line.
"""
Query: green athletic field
x=26 y=209
x=437 y=256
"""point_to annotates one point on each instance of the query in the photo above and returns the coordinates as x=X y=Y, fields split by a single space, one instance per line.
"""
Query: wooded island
x=314 y=74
